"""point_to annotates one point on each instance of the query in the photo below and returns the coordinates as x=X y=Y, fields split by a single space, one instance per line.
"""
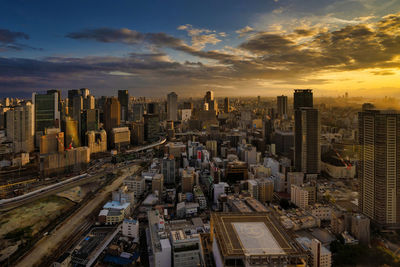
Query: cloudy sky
x=234 y=47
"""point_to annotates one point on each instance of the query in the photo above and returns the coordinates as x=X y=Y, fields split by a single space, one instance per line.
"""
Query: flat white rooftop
x=256 y=238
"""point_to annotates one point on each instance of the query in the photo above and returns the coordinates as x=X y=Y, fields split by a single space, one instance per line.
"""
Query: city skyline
x=150 y=49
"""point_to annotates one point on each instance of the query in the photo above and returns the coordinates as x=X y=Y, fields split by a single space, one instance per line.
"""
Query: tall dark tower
x=123 y=98
x=307 y=148
x=282 y=104
x=226 y=105
x=112 y=114
x=379 y=172
x=303 y=98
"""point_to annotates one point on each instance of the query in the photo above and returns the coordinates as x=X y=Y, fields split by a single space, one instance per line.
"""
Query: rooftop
x=116 y=205
x=240 y=234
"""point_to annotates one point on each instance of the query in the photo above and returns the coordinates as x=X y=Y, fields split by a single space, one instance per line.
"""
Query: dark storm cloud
x=8 y=40
x=267 y=43
x=126 y=36
x=9 y=37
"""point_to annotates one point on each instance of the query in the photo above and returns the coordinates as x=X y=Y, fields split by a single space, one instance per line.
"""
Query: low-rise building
x=135 y=184
x=120 y=137
x=111 y=216
x=185 y=249
x=199 y=197
x=130 y=228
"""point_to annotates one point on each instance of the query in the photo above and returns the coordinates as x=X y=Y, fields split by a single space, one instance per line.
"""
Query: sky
x=233 y=47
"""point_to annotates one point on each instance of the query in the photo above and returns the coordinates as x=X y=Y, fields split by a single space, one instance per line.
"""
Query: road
x=49 y=243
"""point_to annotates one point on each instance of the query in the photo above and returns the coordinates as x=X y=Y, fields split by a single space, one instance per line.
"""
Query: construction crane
x=348 y=165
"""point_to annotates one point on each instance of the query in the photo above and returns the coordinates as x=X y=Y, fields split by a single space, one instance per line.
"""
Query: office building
x=71 y=94
x=209 y=96
x=137 y=133
x=112 y=114
x=71 y=130
x=157 y=185
x=120 y=137
x=210 y=102
x=52 y=141
x=130 y=228
x=90 y=120
x=96 y=141
x=378 y=172
x=172 y=106
x=303 y=98
x=226 y=105
x=123 y=98
x=20 y=127
x=138 y=111
x=84 y=92
x=265 y=188
x=185 y=249
x=321 y=256
x=153 y=108
x=236 y=171
x=135 y=184
x=47 y=113
x=307 y=148
x=282 y=103
x=303 y=196
x=77 y=106
x=89 y=102
x=168 y=169
x=188 y=180
x=211 y=146
x=284 y=141
x=151 y=127
x=360 y=228
x=159 y=244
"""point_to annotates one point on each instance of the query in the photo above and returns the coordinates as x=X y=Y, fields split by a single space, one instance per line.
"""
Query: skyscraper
x=123 y=98
x=84 y=92
x=303 y=98
x=71 y=94
x=138 y=110
x=20 y=127
x=112 y=114
x=210 y=101
x=282 y=103
x=47 y=113
x=168 y=169
x=89 y=102
x=379 y=172
x=307 y=149
x=77 y=106
x=151 y=127
x=89 y=122
x=71 y=130
x=172 y=106
x=209 y=96
x=226 y=105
